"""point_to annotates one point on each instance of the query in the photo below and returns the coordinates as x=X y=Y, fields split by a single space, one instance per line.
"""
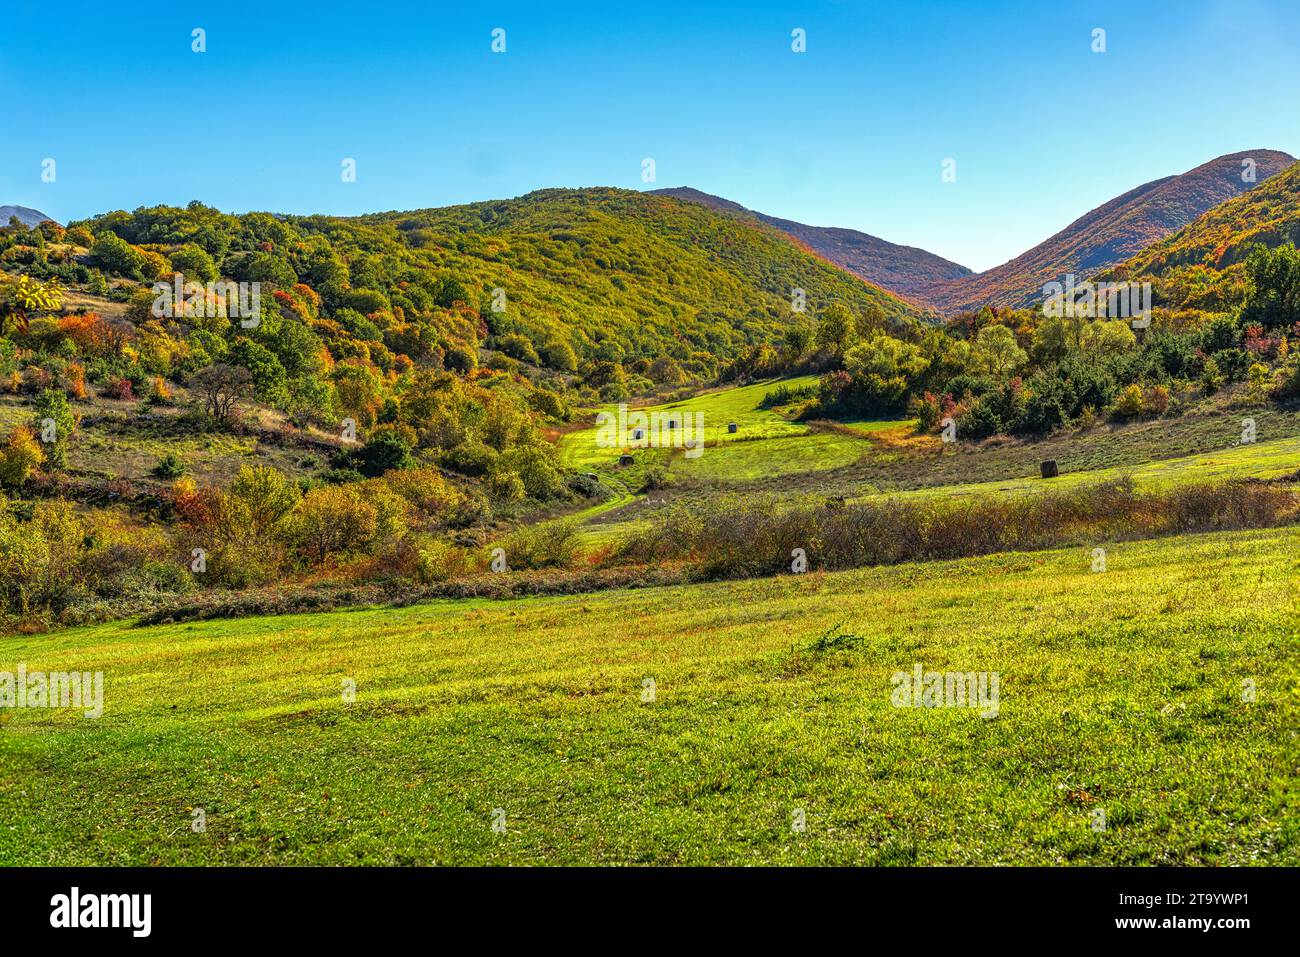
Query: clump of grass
x=833 y=640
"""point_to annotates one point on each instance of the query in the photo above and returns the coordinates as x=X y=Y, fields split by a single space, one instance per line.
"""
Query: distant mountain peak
x=26 y=215
x=1111 y=233
x=900 y=269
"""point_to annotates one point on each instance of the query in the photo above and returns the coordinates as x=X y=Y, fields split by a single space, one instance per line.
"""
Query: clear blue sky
x=851 y=133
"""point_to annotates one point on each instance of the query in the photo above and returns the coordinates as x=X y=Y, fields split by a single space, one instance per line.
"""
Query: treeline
x=1024 y=372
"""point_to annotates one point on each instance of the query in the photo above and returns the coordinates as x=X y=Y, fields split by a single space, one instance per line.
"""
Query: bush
x=332 y=520
x=518 y=347
x=470 y=458
x=20 y=457
x=1211 y=377
x=1157 y=400
x=978 y=421
x=119 y=389
x=547 y=545
x=786 y=394
x=439 y=561
x=460 y=359
x=384 y=451
x=1130 y=404
x=54 y=411
x=533 y=465
x=506 y=486
x=169 y=467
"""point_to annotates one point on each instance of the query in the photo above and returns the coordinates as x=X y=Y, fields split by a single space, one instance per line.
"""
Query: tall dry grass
x=732 y=537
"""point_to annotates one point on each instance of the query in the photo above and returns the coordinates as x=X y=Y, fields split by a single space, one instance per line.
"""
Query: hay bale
x=1049 y=469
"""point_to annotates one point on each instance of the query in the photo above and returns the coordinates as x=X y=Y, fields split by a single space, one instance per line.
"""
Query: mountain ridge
x=903 y=270
x=26 y=215
x=1109 y=234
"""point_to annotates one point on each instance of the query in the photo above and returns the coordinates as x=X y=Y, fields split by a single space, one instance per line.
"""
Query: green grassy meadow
x=772 y=454
x=1121 y=692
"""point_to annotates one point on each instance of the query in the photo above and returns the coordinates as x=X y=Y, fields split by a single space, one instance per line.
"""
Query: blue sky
x=851 y=133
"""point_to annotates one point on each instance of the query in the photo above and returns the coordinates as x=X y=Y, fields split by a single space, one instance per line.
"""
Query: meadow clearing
x=1145 y=714
x=772 y=453
x=1126 y=731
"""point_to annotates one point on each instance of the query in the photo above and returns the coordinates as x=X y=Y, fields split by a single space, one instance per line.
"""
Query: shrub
x=734 y=537
x=332 y=520
x=54 y=416
x=439 y=561
x=786 y=394
x=20 y=457
x=506 y=486
x=460 y=359
x=384 y=451
x=546 y=545
x=470 y=458
x=534 y=466
x=978 y=421
x=518 y=347
x=1130 y=404
x=1157 y=400
x=169 y=467
x=925 y=409
x=1211 y=377
x=119 y=389
x=426 y=491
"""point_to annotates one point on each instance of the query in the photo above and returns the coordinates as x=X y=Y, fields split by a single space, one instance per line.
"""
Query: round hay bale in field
x=1049 y=469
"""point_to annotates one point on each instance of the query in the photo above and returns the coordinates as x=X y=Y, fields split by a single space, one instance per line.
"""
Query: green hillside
x=613 y=274
x=1203 y=265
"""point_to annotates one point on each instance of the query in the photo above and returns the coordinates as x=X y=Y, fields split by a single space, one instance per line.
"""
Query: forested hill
x=583 y=275
x=901 y=269
x=644 y=270
x=1112 y=232
x=1203 y=265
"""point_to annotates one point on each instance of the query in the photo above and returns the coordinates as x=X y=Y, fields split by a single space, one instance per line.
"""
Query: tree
x=998 y=350
x=836 y=330
x=1107 y=337
x=20 y=456
x=113 y=253
x=872 y=320
x=268 y=375
x=798 y=340
x=332 y=520
x=221 y=386
x=1274 y=298
x=194 y=263
x=260 y=497
x=54 y=422
x=883 y=369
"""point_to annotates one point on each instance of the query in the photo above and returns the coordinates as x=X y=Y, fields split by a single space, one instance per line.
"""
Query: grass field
x=770 y=454
x=1121 y=693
